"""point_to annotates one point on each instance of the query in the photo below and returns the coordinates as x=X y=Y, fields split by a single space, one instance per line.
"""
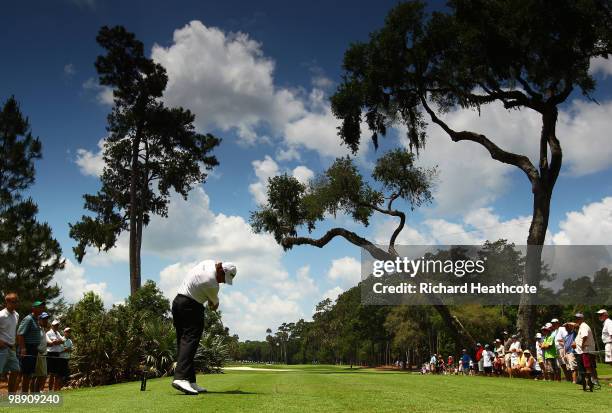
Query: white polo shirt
x=52 y=336
x=8 y=326
x=606 y=331
x=584 y=333
x=201 y=283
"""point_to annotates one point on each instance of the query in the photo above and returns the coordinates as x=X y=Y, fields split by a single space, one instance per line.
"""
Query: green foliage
x=340 y=189
x=118 y=344
x=523 y=53
x=29 y=255
x=396 y=172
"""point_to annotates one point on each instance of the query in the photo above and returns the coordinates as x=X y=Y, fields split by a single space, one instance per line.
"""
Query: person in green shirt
x=551 y=367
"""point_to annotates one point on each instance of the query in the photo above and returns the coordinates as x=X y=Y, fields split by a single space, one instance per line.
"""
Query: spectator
x=551 y=367
x=539 y=351
x=507 y=355
x=65 y=356
x=465 y=362
x=515 y=350
x=54 y=350
x=8 y=328
x=479 y=360
x=40 y=373
x=606 y=334
x=487 y=360
x=560 y=334
x=529 y=366
x=28 y=339
x=498 y=364
x=570 y=352
x=585 y=345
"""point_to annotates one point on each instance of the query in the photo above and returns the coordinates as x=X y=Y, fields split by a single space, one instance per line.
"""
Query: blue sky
x=258 y=75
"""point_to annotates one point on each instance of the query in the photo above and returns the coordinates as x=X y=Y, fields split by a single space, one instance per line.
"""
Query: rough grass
x=339 y=389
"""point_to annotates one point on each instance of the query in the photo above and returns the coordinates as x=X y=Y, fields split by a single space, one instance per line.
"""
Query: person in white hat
x=55 y=346
x=606 y=334
x=201 y=286
x=560 y=333
x=585 y=346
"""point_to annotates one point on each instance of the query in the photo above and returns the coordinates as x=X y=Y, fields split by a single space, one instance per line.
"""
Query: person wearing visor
x=200 y=286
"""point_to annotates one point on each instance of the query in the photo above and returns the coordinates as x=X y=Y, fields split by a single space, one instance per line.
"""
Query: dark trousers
x=188 y=319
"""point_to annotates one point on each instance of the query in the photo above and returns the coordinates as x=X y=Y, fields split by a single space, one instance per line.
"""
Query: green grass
x=339 y=389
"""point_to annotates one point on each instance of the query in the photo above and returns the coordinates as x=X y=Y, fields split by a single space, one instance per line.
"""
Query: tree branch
x=350 y=236
x=520 y=161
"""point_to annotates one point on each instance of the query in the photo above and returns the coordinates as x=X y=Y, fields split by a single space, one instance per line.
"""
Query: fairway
x=339 y=389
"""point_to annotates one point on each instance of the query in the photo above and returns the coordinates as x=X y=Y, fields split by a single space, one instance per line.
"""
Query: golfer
x=200 y=286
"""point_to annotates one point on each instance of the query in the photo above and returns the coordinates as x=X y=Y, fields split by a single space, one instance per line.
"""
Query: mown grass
x=340 y=389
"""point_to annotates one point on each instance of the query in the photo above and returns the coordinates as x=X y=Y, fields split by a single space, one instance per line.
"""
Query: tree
x=292 y=205
x=150 y=149
x=29 y=255
x=525 y=54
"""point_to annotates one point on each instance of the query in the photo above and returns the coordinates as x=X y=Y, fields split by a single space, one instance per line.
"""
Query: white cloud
x=91 y=163
x=590 y=226
x=264 y=170
x=345 y=271
x=303 y=174
x=104 y=94
x=226 y=80
x=332 y=293
x=69 y=69
x=267 y=168
x=601 y=65
x=74 y=284
x=469 y=178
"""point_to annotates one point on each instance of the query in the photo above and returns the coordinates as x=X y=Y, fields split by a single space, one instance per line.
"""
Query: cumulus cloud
x=592 y=225
x=104 y=94
x=602 y=66
x=226 y=80
x=264 y=170
x=267 y=168
x=468 y=177
x=91 y=162
x=332 y=293
x=69 y=69
x=74 y=284
x=345 y=271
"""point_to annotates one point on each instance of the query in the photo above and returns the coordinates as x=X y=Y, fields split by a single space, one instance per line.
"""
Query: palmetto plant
x=212 y=353
x=159 y=347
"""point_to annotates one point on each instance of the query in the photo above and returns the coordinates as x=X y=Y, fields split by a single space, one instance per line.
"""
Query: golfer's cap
x=602 y=311
x=579 y=315
x=43 y=316
x=478 y=345
x=514 y=336
x=486 y=346
x=543 y=328
x=538 y=335
x=505 y=333
x=548 y=325
x=527 y=352
x=230 y=272
x=554 y=320
x=55 y=323
x=464 y=350
x=497 y=340
x=37 y=303
x=67 y=329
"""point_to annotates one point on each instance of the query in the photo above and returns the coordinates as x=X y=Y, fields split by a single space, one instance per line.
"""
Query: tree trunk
x=542 y=194
x=134 y=215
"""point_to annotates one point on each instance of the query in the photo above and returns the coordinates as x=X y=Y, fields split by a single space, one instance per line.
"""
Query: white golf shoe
x=198 y=388
x=184 y=386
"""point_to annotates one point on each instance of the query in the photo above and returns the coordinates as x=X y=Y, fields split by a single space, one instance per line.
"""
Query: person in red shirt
x=479 y=359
